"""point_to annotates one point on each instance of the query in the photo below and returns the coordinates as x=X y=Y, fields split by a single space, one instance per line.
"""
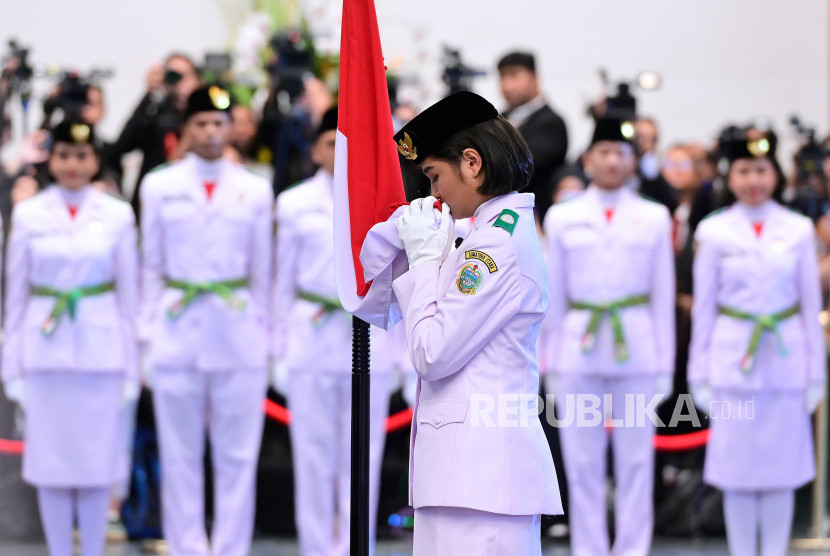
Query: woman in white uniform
x=70 y=354
x=481 y=473
x=757 y=358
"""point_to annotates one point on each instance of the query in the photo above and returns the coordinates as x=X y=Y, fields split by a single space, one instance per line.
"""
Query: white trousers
x=58 y=509
x=585 y=451
x=767 y=514
x=320 y=405
x=448 y=531
x=228 y=407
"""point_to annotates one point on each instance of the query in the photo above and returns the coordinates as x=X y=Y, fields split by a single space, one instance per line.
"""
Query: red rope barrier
x=11 y=446
x=402 y=419
x=277 y=412
x=399 y=420
x=681 y=442
x=282 y=415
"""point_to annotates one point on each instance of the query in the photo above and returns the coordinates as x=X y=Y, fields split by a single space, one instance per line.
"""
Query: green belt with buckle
x=224 y=289
x=612 y=309
x=67 y=302
x=328 y=306
x=763 y=323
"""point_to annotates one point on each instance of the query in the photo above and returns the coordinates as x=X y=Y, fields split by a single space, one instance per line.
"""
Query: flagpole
x=360 y=439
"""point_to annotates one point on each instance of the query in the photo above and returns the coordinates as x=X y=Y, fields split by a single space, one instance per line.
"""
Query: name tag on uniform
x=182 y=198
x=734 y=253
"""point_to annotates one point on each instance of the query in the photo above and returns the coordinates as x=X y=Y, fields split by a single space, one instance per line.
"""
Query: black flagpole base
x=359 y=537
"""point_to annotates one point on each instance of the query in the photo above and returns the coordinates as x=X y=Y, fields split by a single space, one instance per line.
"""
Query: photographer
x=155 y=126
x=74 y=98
x=542 y=128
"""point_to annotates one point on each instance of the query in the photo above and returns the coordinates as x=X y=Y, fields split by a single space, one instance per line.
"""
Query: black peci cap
x=750 y=142
x=74 y=132
x=328 y=122
x=430 y=129
x=610 y=128
x=208 y=99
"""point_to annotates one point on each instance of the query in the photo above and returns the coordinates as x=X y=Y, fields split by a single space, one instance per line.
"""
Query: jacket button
x=438 y=419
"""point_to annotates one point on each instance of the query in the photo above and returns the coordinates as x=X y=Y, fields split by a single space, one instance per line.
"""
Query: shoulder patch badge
x=483 y=257
x=469 y=279
x=507 y=220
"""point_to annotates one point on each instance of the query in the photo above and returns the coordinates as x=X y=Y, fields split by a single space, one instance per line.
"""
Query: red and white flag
x=367 y=177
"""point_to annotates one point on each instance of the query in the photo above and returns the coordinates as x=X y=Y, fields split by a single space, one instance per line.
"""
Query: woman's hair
x=505 y=157
x=728 y=197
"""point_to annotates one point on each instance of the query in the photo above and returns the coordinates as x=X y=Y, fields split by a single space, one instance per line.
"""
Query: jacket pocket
x=439 y=414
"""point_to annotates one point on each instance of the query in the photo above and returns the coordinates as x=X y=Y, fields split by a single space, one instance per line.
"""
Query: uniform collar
x=756 y=214
x=744 y=218
x=87 y=201
x=596 y=195
x=489 y=210
x=207 y=170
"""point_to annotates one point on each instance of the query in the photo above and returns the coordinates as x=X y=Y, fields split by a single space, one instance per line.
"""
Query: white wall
x=720 y=60
x=126 y=35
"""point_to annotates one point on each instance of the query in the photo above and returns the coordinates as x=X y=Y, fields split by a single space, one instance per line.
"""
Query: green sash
x=598 y=311
x=328 y=306
x=763 y=323
x=67 y=302
x=192 y=290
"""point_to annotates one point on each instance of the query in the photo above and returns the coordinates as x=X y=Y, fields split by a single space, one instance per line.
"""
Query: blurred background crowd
x=687 y=77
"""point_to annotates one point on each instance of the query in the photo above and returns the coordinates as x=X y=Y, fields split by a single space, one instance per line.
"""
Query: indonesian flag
x=367 y=175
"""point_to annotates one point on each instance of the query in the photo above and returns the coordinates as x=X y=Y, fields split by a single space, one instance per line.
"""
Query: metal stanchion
x=360 y=439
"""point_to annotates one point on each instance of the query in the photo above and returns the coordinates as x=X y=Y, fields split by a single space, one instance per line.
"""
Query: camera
x=457 y=75
x=72 y=93
x=622 y=104
x=294 y=62
x=809 y=157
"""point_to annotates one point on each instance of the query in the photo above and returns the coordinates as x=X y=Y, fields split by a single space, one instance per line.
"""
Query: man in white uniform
x=206 y=253
x=313 y=350
x=610 y=336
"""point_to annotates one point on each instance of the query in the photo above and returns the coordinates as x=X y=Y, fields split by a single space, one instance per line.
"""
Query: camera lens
x=171 y=77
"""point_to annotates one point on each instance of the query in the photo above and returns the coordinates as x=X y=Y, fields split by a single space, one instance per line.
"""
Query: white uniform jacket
x=595 y=261
x=763 y=275
x=471 y=325
x=187 y=237
x=306 y=336
x=48 y=248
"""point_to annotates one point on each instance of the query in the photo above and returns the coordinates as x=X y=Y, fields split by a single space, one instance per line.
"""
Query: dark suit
x=546 y=135
x=659 y=190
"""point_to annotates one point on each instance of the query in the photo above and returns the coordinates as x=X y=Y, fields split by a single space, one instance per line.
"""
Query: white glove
x=279 y=376
x=16 y=391
x=410 y=388
x=130 y=391
x=146 y=362
x=663 y=387
x=424 y=240
x=815 y=394
x=701 y=395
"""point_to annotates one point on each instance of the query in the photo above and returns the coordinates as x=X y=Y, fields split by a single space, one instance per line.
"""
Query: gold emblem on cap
x=79 y=133
x=759 y=147
x=627 y=130
x=220 y=98
x=406 y=148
